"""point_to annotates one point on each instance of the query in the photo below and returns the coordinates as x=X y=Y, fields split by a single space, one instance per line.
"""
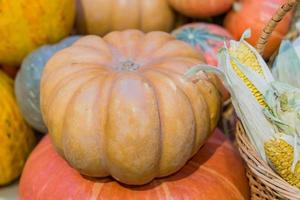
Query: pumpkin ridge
x=179 y=74
x=76 y=51
x=73 y=65
x=151 y=85
x=160 y=121
x=46 y=118
x=140 y=16
x=167 y=54
x=157 y=63
x=222 y=178
x=102 y=137
x=153 y=74
x=190 y=103
x=67 y=110
x=58 y=86
x=112 y=82
x=204 y=100
x=88 y=47
x=52 y=73
x=161 y=44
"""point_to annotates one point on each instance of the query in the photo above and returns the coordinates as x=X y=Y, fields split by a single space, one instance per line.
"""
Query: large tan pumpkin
x=120 y=106
x=102 y=16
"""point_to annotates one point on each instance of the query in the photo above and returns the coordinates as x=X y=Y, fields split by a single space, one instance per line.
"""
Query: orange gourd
x=255 y=14
x=103 y=16
x=216 y=172
x=201 y=8
x=120 y=106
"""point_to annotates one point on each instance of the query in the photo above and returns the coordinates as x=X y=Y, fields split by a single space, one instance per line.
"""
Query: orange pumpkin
x=216 y=172
x=120 y=106
x=201 y=8
x=255 y=14
x=102 y=16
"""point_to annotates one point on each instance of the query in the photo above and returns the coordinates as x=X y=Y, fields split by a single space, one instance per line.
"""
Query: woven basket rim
x=272 y=181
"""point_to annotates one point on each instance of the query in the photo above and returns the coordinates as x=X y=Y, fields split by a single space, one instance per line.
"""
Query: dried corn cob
x=268 y=110
x=280 y=154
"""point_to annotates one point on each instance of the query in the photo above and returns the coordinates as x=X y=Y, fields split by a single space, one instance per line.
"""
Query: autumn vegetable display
x=150 y=99
x=109 y=105
x=268 y=109
x=27 y=86
x=215 y=171
x=201 y=8
x=16 y=138
x=255 y=14
x=27 y=24
x=101 y=16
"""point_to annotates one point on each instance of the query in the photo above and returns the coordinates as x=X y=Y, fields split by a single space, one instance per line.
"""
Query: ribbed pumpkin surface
x=16 y=138
x=216 y=172
x=119 y=105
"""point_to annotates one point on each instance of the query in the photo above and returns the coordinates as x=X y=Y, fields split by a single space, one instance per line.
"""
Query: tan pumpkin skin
x=101 y=16
x=120 y=106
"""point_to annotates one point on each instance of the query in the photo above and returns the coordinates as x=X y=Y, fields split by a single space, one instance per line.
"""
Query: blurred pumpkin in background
x=207 y=39
x=120 y=106
x=16 y=137
x=255 y=14
x=102 y=16
x=27 y=85
x=11 y=71
x=27 y=24
x=201 y=8
x=216 y=172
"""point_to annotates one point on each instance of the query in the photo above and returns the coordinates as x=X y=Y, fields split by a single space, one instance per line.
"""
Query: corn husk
x=269 y=110
x=287 y=64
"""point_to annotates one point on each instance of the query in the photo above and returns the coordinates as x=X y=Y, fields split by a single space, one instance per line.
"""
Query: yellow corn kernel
x=247 y=57
x=259 y=96
x=280 y=154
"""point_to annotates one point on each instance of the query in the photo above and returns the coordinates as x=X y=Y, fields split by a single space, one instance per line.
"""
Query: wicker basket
x=264 y=182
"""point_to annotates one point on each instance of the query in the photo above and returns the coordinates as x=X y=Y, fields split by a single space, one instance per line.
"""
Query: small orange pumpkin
x=255 y=14
x=120 y=106
x=216 y=172
x=201 y=8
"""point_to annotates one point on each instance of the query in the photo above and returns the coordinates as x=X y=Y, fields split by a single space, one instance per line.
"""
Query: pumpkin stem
x=127 y=65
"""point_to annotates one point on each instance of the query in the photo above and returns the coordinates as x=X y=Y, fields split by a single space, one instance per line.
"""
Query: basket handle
x=271 y=25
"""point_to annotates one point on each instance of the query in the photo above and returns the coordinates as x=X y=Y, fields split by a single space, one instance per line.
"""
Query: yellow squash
x=16 y=137
x=27 y=24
